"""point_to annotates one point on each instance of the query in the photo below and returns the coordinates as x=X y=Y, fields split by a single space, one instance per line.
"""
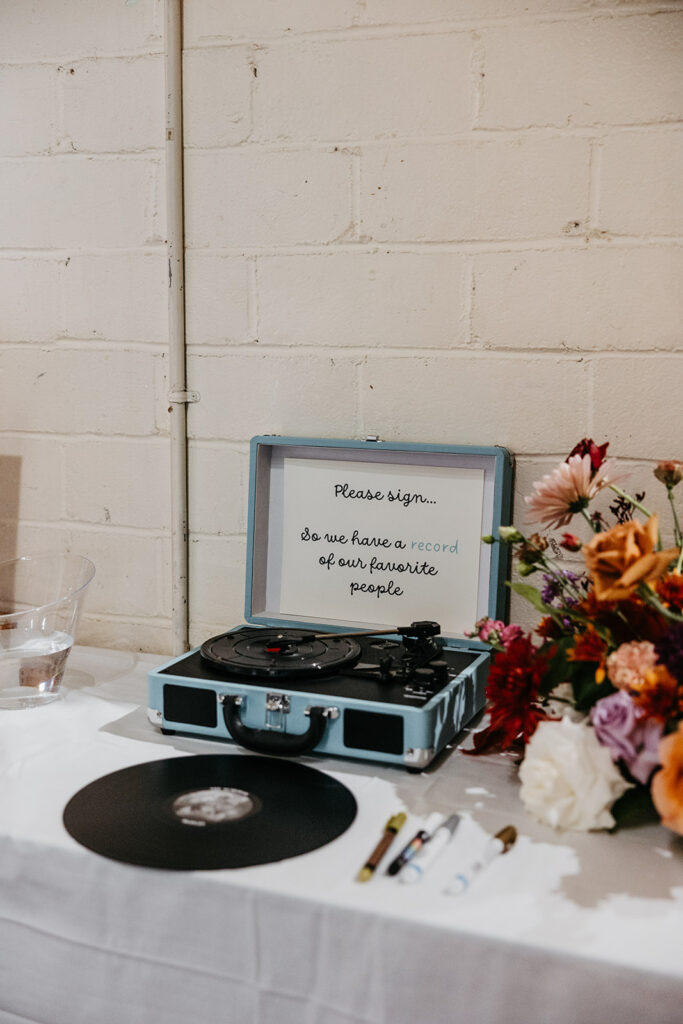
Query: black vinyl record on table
x=209 y=811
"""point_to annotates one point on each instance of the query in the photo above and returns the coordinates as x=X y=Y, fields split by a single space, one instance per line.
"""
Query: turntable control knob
x=440 y=670
x=424 y=676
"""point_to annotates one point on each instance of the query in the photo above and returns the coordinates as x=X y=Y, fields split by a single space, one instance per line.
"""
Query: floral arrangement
x=592 y=698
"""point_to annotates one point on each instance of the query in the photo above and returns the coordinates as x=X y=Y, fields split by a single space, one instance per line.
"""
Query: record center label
x=214 y=806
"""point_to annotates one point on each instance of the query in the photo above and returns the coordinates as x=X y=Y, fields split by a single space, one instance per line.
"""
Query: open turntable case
x=345 y=540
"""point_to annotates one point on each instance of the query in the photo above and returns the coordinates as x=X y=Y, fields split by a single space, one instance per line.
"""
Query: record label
x=209 y=811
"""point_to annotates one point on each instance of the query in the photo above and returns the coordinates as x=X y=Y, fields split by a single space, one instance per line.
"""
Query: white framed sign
x=380 y=543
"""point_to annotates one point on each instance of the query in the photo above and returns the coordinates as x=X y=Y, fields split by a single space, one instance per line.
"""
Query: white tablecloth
x=564 y=928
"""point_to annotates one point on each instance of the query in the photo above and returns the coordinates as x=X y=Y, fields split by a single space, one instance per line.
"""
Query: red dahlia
x=512 y=691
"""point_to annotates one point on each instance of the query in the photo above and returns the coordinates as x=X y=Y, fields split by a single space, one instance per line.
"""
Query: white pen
x=415 y=868
x=498 y=844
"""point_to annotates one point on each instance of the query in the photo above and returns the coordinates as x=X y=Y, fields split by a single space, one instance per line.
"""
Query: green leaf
x=586 y=690
x=533 y=596
x=634 y=808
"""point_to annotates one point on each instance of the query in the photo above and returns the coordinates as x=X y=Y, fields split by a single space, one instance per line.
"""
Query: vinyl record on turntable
x=209 y=811
x=279 y=653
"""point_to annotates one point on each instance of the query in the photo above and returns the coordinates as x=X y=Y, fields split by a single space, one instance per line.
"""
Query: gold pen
x=391 y=829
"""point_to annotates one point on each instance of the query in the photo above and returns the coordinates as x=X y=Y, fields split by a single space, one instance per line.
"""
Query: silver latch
x=277 y=706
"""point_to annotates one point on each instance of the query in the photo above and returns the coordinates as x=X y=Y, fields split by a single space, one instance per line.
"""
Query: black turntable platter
x=280 y=653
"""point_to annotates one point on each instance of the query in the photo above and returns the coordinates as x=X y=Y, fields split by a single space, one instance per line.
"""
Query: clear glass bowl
x=40 y=603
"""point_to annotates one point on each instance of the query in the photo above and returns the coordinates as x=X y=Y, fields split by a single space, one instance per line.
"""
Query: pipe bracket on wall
x=184 y=397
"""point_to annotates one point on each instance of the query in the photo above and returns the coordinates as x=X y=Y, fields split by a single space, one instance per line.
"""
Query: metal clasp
x=277 y=706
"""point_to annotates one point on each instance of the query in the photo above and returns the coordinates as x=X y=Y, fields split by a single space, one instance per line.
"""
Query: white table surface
x=564 y=928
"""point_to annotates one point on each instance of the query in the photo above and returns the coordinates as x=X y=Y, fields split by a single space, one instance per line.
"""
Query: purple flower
x=628 y=734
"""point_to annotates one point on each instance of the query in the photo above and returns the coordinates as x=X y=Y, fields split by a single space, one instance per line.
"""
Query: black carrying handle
x=268 y=741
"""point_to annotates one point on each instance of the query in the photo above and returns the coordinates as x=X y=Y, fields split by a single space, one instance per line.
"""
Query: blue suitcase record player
x=347 y=539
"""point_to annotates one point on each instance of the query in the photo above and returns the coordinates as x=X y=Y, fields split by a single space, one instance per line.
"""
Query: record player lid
x=346 y=534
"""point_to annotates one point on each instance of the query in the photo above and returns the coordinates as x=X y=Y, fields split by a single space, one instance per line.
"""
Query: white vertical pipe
x=176 y=322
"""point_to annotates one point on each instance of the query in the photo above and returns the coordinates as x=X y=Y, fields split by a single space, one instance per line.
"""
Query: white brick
x=365 y=299
x=604 y=71
x=118 y=296
x=468 y=399
x=29 y=110
x=217 y=87
x=636 y=405
x=128 y=567
x=596 y=298
x=114 y=105
x=474 y=190
x=406 y=12
x=31 y=478
x=62 y=201
x=77 y=391
x=124 y=635
x=640 y=184
x=257 y=197
x=217 y=489
x=217 y=297
x=125 y=483
x=129 y=579
x=217 y=581
x=370 y=88
x=28 y=299
x=261 y=393
x=26 y=538
x=44 y=28
x=206 y=19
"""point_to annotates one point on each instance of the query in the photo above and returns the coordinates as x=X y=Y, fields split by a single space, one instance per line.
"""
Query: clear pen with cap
x=497 y=845
x=436 y=844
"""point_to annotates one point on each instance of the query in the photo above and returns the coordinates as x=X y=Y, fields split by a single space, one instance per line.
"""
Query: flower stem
x=649 y=596
x=632 y=501
x=678 y=537
x=594 y=527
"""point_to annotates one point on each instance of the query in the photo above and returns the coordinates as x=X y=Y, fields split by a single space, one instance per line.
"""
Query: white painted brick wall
x=217 y=292
x=606 y=72
x=521 y=187
x=120 y=296
x=78 y=391
x=29 y=298
x=265 y=387
x=82 y=202
x=99 y=96
x=29 y=109
x=388 y=86
x=225 y=74
x=253 y=197
x=587 y=298
x=481 y=399
x=640 y=183
x=363 y=299
x=435 y=220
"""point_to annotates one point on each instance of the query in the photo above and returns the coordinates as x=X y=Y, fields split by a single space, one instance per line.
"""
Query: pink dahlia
x=567 y=490
x=628 y=666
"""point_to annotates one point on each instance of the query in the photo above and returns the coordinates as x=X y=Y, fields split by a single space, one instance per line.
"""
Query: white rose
x=569 y=780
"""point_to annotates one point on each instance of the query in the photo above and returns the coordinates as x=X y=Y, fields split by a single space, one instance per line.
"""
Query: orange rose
x=667 y=785
x=623 y=557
